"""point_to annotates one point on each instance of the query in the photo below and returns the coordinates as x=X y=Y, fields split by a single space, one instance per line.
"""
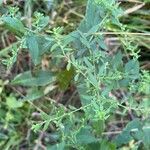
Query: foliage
x=81 y=60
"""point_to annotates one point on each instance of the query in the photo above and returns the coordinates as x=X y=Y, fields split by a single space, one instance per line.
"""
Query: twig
x=133 y=9
x=40 y=110
x=39 y=143
x=121 y=33
x=7 y=49
x=132 y=1
x=111 y=133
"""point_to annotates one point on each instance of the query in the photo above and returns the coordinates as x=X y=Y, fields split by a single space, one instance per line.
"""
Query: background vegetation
x=74 y=75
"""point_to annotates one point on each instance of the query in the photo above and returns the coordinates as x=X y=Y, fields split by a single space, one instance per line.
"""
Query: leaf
x=117 y=60
x=33 y=94
x=88 y=63
x=70 y=38
x=32 y=44
x=93 y=29
x=93 y=9
x=43 y=22
x=125 y=137
x=13 y=103
x=64 y=78
x=92 y=79
x=1 y=2
x=46 y=125
x=59 y=146
x=85 y=136
x=132 y=69
x=38 y=45
x=146 y=137
x=101 y=43
x=106 y=145
x=102 y=145
x=85 y=42
x=99 y=126
x=103 y=69
x=26 y=79
x=44 y=44
x=3 y=136
x=54 y=47
x=36 y=127
x=142 y=135
x=84 y=97
x=14 y=25
x=44 y=78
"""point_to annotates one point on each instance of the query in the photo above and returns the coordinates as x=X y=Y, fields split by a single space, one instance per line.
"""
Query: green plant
x=82 y=59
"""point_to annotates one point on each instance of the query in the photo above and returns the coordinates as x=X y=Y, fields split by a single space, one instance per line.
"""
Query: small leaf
x=54 y=47
x=32 y=44
x=92 y=79
x=36 y=127
x=85 y=136
x=13 y=103
x=59 y=146
x=132 y=69
x=117 y=60
x=88 y=63
x=68 y=66
x=85 y=42
x=125 y=136
x=64 y=78
x=26 y=79
x=46 y=125
x=99 y=126
x=44 y=44
x=14 y=25
x=34 y=94
x=43 y=22
x=38 y=45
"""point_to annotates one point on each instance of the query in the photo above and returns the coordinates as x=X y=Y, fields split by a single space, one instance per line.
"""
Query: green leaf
x=64 y=78
x=33 y=94
x=1 y=2
x=117 y=60
x=84 y=97
x=36 y=127
x=46 y=125
x=98 y=126
x=38 y=45
x=146 y=137
x=44 y=44
x=142 y=135
x=26 y=79
x=43 y=22
x=106 y=145
x=92 y=79
x=103 y=69
x=14 y=25
x=88 y=63
x=85 y=42
x=102 y=145
x=85 y=136
x=93 y=9
x=44 y=78
x=101 y=43
x=132 y=69
x=125 y=137
x=13 y=103
x=60 y=146
x=3 y=136
x=32 y=44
